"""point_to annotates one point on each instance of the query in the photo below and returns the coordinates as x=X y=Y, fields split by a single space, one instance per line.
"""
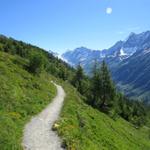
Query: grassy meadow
x=85 y=128
x=22 y=96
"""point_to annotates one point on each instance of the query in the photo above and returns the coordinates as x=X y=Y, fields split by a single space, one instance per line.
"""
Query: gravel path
x=38 y=134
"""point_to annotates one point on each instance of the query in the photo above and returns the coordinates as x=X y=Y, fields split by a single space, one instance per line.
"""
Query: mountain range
x=128 y=60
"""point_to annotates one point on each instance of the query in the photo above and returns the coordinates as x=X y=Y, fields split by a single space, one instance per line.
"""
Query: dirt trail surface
x=38 y=134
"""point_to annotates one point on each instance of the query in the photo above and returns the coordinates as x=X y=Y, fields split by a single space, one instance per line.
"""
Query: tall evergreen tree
x=102 y=87
x=78 y=79
x=95 y=88
x=107 y=88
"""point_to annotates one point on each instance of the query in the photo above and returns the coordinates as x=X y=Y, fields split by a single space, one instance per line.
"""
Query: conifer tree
x=95 y=97
x=78 y=79
x=107 y=88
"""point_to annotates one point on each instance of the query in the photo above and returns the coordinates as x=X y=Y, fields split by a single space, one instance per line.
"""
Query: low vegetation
x=25 y=87
x=22 y=95
x=83 y=127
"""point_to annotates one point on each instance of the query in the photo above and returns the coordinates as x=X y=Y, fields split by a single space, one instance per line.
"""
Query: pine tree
x=102 y=87
x=95 y=88
x=78 y=79
x=107 y=88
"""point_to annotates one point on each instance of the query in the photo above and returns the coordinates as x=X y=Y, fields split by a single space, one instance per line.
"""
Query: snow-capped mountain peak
x=122 y=53
x=114 y=55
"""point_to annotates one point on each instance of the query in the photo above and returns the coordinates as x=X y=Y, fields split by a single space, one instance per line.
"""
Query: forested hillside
x=38 y=58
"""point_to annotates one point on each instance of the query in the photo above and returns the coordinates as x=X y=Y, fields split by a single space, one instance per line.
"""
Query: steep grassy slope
x=22 y=95
x=84 y=128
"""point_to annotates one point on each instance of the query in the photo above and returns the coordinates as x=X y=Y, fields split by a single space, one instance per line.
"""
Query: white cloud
x=109 y=10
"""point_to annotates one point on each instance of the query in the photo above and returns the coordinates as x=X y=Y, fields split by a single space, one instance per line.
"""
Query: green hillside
x=26 y=72
x=22 y=95
x=25 y=87
x=85 y=128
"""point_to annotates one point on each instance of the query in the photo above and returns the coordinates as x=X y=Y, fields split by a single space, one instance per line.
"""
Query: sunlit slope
x=85 y=128
x=22 y=95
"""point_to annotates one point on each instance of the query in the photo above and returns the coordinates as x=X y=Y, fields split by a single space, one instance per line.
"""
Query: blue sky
x=60 y=25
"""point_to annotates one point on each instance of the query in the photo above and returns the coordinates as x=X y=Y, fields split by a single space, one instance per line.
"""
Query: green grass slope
x=85 y=128
x=22 y=95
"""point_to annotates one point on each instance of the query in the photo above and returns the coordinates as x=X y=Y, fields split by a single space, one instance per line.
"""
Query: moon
x=109 y=10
